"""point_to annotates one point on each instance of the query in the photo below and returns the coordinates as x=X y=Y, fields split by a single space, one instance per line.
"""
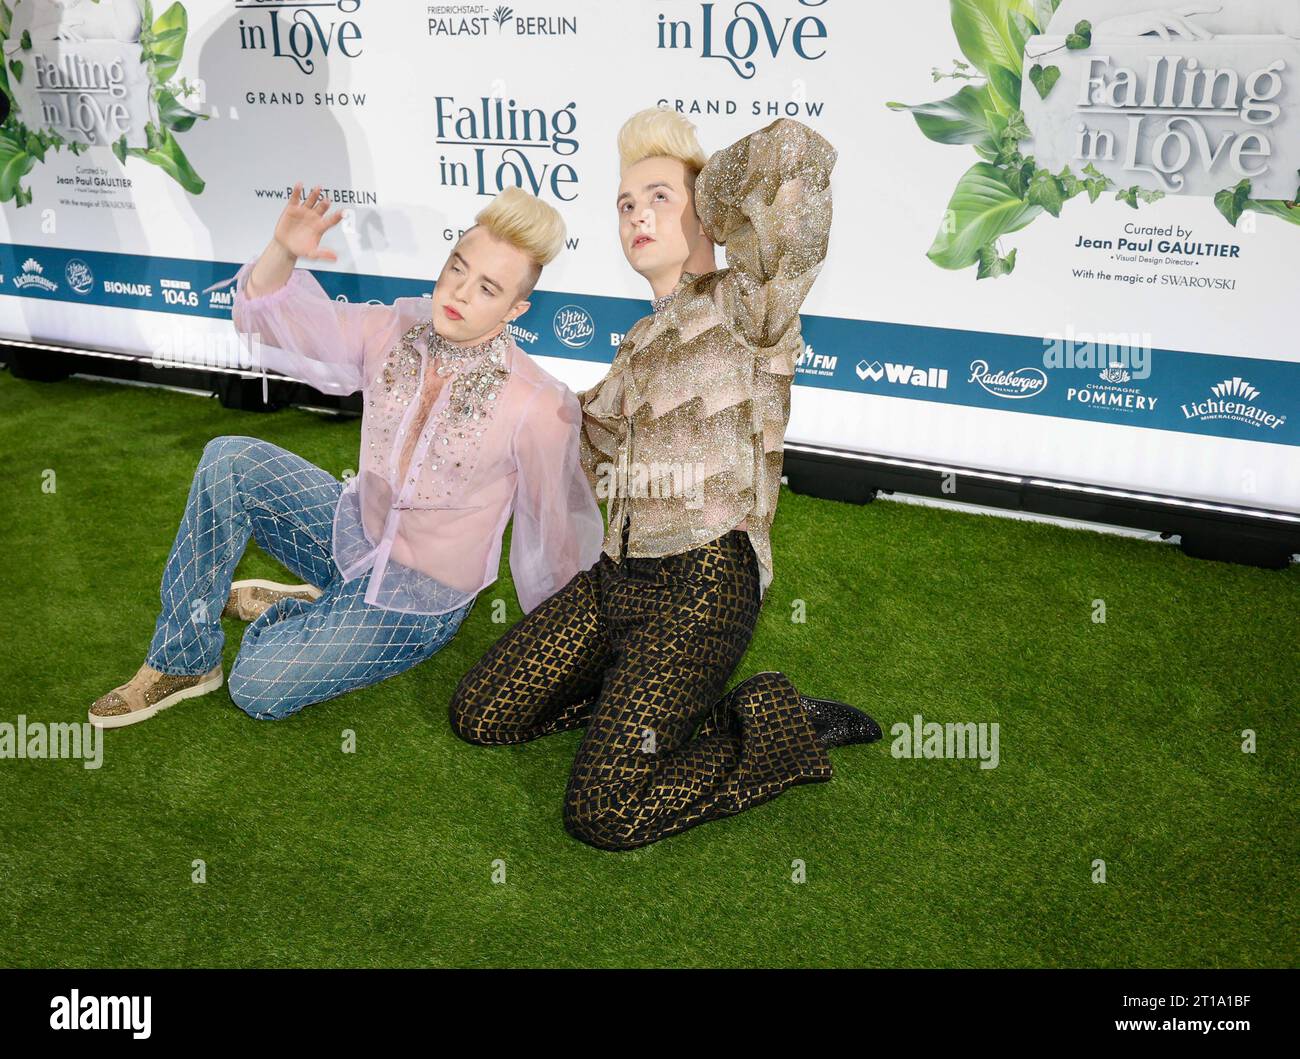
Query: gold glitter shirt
x=684 y=436
x=439 y=475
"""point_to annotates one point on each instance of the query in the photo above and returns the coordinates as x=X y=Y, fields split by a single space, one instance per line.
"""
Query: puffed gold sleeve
x=599 y=435
x=767 y=199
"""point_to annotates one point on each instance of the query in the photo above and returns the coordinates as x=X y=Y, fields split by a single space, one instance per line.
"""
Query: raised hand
x=303 y=223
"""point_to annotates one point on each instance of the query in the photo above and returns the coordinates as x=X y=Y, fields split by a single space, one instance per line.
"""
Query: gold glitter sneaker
x=250 y=599
x=148 y=692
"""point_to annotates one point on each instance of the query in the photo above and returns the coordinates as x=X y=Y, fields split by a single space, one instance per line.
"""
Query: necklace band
x=455 y=357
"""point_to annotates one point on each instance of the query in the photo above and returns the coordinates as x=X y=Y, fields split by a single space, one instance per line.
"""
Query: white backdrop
x=130 y=207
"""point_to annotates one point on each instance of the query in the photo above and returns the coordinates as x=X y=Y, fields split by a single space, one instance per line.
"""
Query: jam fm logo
x=750 y=31
x=304 y=32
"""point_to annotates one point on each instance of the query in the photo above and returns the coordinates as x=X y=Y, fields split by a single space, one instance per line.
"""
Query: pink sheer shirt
x=430 y=543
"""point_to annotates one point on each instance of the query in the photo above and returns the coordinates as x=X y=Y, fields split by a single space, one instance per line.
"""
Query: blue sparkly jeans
x=297 y=652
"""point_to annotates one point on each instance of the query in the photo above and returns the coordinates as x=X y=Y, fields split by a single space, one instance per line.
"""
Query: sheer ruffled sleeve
x=767 y=199
x=300 y=331
x=558 y=529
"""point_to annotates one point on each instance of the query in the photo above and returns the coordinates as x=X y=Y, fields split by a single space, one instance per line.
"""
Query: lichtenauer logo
x=33 y=275
x=1222 y=406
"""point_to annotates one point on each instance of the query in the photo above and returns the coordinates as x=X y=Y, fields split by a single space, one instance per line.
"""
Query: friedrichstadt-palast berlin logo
x=479 y=20
x=80 y=278
x=901 y=374
x=1232 y=399
x=574 y=326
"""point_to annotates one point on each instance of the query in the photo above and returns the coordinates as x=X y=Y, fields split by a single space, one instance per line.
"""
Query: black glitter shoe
x=838 y=724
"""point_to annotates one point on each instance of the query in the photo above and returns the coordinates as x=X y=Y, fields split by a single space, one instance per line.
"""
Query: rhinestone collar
x=453 y=359
x=660 y=304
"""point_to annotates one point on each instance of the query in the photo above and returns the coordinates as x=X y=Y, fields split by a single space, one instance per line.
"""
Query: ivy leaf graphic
x=1136 y=194
x=992 y=265
x=1044 y=79
x=1046 y=191
x=1231 y=202
x=1081 y=37
x=1096 y=182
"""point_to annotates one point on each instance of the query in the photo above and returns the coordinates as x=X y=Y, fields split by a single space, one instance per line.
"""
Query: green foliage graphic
x=1007 y=189
x=162 y=43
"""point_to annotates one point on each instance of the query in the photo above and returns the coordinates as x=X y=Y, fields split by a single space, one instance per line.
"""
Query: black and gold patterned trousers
x=639 y=652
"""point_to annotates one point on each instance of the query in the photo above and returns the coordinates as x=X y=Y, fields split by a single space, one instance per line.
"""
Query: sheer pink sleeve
x=302 y=332
x=558 y=529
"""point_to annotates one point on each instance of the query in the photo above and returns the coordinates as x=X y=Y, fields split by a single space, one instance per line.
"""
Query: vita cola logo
x=751 y=29
x=304 y=31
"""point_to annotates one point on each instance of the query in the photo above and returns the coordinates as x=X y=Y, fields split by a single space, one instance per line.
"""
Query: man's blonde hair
x=660 y=133
x=528 y=224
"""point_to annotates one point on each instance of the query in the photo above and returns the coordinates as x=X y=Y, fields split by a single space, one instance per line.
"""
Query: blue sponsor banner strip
x=1073 y=378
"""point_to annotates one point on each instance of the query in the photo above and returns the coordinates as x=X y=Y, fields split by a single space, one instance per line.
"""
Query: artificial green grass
x=1119 y=741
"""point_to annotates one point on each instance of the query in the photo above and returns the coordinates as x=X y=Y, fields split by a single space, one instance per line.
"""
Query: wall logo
x=1012 y=385
x=1233 y=399
x=78 y=276
x=574 y=326
x=902 y=374
x=33 y=276
x=753 y=30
